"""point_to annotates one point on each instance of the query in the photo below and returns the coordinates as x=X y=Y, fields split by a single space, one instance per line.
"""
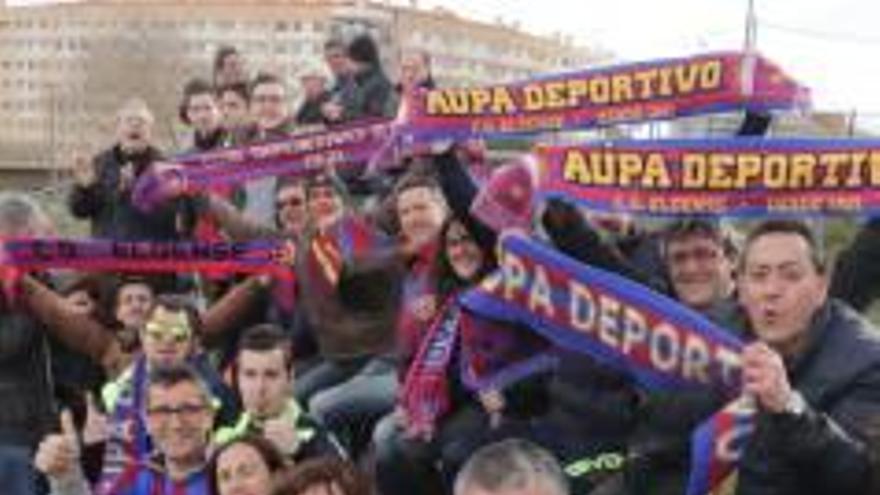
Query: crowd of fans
x=184 y=384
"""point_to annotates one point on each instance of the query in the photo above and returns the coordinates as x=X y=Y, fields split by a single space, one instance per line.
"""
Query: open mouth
x=770 y=315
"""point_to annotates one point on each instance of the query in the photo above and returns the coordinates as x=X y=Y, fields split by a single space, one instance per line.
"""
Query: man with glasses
x=179 y=415
x=168 y=338
x=699 y=256
x=102 y=190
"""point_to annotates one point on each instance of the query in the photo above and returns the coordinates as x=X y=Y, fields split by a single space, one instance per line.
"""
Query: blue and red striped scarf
x=420 y=303
x=346 y=241
x=425 y=393
x=148 y=480
x=127 y=443
x=629 y=328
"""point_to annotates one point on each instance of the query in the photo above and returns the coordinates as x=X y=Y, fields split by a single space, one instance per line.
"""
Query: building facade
x=65 y=68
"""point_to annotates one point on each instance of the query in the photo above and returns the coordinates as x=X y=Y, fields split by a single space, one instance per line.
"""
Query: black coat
x=27 y=408
x=372 y=97
x=309 y=111
x=825 y=451
x=109 y=206
x=856 y=277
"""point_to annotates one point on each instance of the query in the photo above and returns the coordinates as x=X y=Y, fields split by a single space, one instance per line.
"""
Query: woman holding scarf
x=434 y=411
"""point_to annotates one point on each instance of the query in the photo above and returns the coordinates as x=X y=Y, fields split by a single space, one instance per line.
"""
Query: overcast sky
x=831 y=45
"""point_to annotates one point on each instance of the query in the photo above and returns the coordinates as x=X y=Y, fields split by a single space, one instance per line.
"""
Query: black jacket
x=372 y=97
x=856 y=277
x=109 y=207
x=309 y=111
x=27 y=408
x=825 y=451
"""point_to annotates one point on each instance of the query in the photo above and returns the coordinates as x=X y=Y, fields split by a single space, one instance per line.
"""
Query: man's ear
x=824 y=284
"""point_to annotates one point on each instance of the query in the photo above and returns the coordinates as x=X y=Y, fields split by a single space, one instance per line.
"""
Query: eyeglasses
x=186 y=412
x=158 y=331
x=700 y=255
x=458 y=240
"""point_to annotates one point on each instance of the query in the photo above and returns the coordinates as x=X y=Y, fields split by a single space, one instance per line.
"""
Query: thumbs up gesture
x=58 y=454
x=95 y=429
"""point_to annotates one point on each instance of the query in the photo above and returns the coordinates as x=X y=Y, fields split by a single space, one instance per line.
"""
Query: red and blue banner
x=734 y=176
x=253 y=257
x=18 y=256
x=647 y=336
x=629 y=93
x=345 y=146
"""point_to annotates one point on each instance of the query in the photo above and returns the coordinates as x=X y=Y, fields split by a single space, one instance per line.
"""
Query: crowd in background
x=208 y=384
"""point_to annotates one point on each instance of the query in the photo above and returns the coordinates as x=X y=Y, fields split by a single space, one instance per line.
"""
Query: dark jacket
x=309 y=111
x=824 y=451
x=107 y=203
x=372 y=96
x=357 y=317
x=592 y=409
x=856 y=277
x=460 y=190
x=661 y=442
x=343 y=93
x=27 y=409
x=572 y=234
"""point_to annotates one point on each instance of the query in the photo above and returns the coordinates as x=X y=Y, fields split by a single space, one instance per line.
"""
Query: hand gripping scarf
x=650 y=337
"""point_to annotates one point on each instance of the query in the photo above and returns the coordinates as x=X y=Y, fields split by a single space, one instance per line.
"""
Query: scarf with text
x=649 y=337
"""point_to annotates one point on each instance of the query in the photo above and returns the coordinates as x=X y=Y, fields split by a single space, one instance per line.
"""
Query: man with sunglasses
x=168 y=338
x=179 y=415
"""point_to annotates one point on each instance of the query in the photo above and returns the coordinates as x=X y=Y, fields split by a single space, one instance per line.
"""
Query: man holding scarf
x=347 y=291
x=815 y=372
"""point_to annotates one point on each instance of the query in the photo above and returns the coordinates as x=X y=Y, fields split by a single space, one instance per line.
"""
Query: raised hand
x=83 y=170
x=765 y=377
x=58 y=454
x=282 y=433
x=95 y=428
